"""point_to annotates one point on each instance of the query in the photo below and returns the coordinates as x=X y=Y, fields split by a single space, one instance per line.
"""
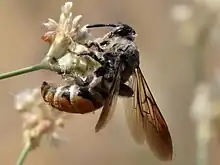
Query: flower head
x=64 y=34
x=39 y=119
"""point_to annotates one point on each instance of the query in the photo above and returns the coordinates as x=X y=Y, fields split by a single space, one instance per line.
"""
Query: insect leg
x=94 y=88
x=125 y=91
x=95 y=44
x=92 y=55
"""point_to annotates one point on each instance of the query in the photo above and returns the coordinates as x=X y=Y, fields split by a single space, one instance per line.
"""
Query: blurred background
x=179 y=44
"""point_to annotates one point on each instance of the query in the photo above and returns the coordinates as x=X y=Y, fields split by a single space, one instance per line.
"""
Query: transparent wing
x=133 y=114
x=145 y=120
x=110 y=103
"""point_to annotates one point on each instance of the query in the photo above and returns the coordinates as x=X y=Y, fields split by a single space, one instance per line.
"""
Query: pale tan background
x=166 y=63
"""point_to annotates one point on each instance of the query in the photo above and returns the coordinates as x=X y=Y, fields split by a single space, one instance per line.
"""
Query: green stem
x=24 y=154
x=21 y=71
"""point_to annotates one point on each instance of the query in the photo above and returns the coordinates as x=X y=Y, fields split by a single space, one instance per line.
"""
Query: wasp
x=119 y=75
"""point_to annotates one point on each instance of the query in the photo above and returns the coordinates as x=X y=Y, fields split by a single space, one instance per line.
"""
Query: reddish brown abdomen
x=59 y=97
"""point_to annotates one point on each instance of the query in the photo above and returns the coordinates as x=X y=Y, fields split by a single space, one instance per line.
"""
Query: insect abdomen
x=67 y=99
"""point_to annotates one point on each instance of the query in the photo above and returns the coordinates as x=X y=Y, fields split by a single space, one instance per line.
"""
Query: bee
x=119 y=75
x=78 y=96
x=145 y=121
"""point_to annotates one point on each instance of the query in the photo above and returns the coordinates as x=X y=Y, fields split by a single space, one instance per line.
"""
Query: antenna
x=101 y=25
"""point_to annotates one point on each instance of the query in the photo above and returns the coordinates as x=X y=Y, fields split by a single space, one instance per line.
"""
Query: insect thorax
x=127 y=53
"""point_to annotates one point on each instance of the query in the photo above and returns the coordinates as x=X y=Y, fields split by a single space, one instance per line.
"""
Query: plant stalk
x=24 y=154
x=21 y=71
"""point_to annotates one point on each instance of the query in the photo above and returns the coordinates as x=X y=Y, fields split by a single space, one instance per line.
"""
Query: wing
x=110 y=103
x=145 y=120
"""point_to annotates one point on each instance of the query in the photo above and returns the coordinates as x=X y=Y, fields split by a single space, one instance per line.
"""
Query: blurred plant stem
x=202 y=143
x=203 y=127
x=200 y=46
x=24 y=154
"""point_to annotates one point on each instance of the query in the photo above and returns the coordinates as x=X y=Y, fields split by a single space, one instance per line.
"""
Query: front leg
x=95 y=44
x=93 y=56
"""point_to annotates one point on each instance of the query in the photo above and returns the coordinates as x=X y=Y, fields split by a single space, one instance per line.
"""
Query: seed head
x=39 y=119
x=65 y=33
